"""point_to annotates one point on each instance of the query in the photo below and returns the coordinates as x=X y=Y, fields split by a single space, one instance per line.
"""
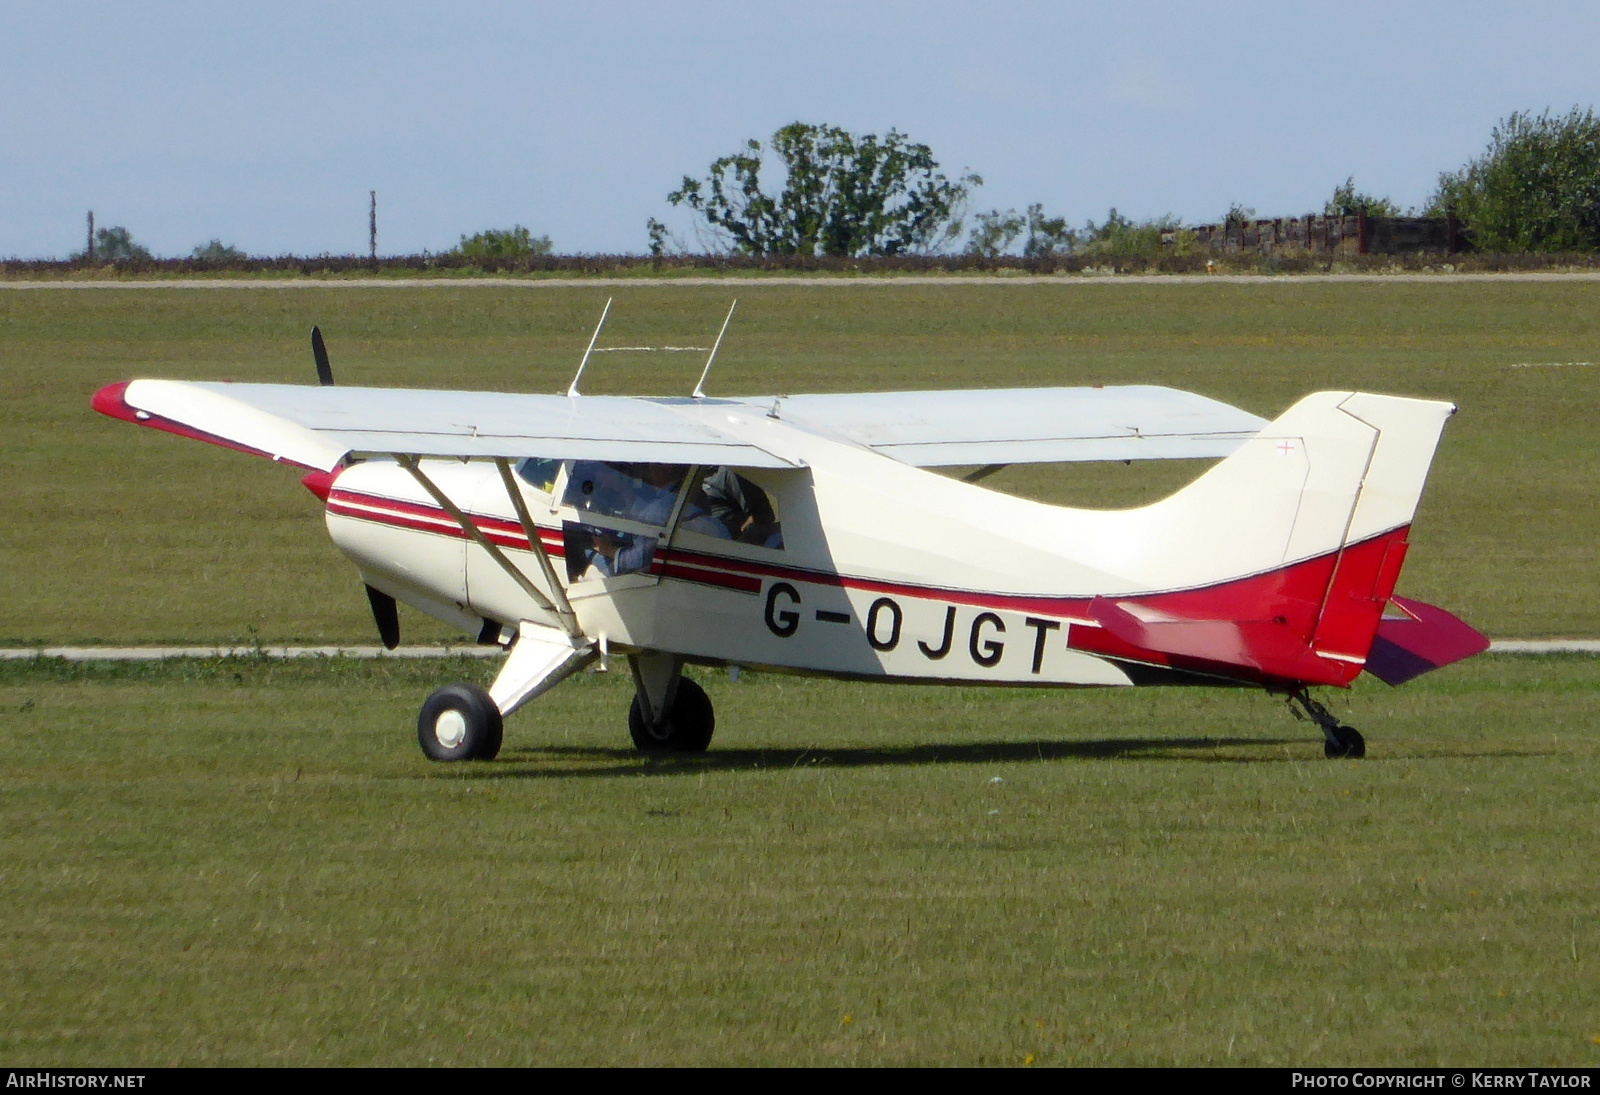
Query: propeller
x=320 y=352
x=386 y=615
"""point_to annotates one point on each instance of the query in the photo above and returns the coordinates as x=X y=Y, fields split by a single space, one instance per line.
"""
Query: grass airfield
x=103 y=515
x=247 y=862
x=250 y=863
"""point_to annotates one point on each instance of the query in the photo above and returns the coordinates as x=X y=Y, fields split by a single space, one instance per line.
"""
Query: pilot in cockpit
x=648 y=499
x=723 y=505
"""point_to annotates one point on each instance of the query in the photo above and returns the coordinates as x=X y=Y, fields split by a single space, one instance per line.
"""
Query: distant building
x=1357 y=235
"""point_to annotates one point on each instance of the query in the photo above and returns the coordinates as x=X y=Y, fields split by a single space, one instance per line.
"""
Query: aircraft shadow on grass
x=628 y=763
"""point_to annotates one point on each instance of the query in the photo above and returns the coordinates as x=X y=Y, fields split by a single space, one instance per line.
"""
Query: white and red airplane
x=803 y=535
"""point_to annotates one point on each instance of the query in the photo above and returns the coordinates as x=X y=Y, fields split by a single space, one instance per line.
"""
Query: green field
x=127 y=535
x=237 y=861
x=251 y=863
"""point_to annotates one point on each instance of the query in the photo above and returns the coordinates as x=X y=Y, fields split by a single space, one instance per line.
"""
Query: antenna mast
x=699 y=387
x=572 y=389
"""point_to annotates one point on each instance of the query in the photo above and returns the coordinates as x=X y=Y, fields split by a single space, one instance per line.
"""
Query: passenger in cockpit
x=740 y=506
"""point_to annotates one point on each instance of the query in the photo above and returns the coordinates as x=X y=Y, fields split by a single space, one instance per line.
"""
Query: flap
x=1026 y=425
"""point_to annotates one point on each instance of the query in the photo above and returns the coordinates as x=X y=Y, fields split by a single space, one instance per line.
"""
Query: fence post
x=372 y=224
x=88 y=251
x=1361 y=232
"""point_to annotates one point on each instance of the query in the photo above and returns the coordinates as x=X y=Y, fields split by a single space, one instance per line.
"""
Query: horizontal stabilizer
x=1270 y=646
x=1422 y=638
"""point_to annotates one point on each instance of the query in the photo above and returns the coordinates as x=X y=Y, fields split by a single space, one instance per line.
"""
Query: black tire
x=459 y=722
x=686 y=728
x=1351 y=744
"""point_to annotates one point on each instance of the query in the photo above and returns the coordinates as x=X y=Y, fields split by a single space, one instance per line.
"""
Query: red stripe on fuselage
x=422 y=509
x=743 y=583
x=1278 y=609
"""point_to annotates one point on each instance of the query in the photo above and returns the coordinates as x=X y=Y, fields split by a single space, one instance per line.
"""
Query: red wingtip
x=320 y=483
x=112 y=400
x=109 y=401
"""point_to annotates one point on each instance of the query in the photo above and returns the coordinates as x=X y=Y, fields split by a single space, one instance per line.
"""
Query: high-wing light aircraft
x=804 y=534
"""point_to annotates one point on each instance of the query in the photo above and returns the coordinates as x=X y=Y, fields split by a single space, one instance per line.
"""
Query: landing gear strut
x=464 y=722
x=1338 y=740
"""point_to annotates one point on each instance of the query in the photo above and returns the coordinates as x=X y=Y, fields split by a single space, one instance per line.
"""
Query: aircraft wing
x=1027 y=425
x=317 y=427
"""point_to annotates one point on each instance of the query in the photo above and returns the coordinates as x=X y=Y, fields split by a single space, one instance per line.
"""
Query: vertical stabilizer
x=1312 y=515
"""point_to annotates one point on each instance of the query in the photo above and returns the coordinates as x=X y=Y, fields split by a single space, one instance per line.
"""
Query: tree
x=510 y=243
x=995 y=232
x=1236 y=215
x=1120 y=235
x=841 y=195
x=1048 y=235
x=115 y=245
x=1347 y=201
x=1535 y=188
x=219 y=252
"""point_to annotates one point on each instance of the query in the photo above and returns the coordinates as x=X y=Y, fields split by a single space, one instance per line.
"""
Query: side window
x=728 y=506
x=623 y=510
x=636 y=492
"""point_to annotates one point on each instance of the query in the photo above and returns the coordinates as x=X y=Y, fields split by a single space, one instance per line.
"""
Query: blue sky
x=266 y=125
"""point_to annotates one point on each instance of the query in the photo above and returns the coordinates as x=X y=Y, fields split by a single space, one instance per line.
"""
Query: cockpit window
x=538 y=473
x=645 y=493
x=624 y=509
x=611 y=497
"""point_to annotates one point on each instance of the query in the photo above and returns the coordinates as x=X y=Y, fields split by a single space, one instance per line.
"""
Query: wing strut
x=569 y=619
x=476 y=535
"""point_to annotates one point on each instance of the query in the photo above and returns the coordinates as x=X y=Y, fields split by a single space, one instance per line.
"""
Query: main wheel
x=685 y=728
x=459 y=722
x=1350 y=744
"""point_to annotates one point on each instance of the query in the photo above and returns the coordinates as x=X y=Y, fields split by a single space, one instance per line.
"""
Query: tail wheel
x=459 y=722
x=685 y=727
x=1338 y=740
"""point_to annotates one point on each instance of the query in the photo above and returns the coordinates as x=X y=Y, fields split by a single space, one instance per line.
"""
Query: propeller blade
x=387 y=616
x=320 y=352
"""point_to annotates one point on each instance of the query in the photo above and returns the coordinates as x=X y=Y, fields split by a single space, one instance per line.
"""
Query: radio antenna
x=572 y=389
x=699 y=387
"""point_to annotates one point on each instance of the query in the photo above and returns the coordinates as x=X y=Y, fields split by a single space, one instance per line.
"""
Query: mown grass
x=249 y=863
x=124 y=535
x=245 y=861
